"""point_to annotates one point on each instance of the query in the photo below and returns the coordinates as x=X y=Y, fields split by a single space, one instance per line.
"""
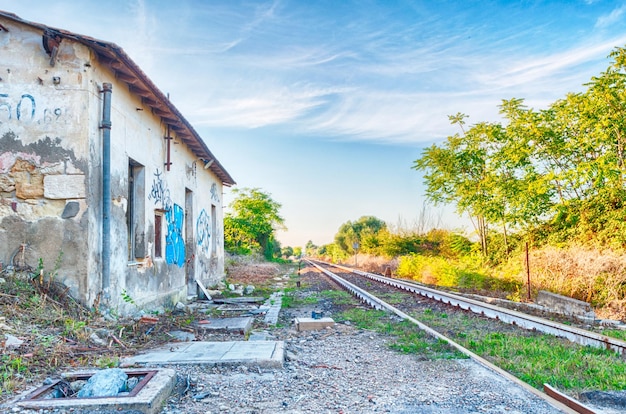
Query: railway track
x=551 y=395
x=574 y=334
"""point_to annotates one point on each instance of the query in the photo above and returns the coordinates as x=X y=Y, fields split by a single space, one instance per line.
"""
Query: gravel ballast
x=346 y=370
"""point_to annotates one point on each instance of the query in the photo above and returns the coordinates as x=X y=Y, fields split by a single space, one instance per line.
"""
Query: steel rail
x=577 y=335
x=564 y=403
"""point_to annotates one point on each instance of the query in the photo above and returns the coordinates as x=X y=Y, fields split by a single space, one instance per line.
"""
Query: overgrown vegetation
x=533 y=357
x=58 y=333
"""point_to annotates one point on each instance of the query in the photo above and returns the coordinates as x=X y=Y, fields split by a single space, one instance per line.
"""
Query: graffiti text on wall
x=24 y=108
x=174 y=242
x=174 y=216
x=160 y=193
x=203 y=230
x=214 y=195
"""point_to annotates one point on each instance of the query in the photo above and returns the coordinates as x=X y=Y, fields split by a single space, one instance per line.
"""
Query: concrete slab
x=273 y=304
x=310 y=324
x=237 y=307
x=243 y=299
x=239 y=325
x=149 y=400
x=260 y=336
x=264 y=354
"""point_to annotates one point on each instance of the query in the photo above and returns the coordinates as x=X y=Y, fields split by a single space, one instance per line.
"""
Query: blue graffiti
x=203 y=230
x=160 y=192
x=174 y=242
x=32 y=108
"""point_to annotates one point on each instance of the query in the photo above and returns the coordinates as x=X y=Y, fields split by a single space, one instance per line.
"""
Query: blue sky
x=325 y=104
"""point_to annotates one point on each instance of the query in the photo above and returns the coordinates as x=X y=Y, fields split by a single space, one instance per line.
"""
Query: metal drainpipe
x=106 y=190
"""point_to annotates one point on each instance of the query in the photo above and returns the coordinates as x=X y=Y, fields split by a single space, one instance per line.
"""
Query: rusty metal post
x=528 y=271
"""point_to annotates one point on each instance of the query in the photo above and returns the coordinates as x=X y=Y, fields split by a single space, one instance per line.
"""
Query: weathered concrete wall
x=565 y=305
x=51 y=180
x=43 y=154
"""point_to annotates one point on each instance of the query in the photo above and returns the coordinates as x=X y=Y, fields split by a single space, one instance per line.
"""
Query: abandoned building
x=102 y=180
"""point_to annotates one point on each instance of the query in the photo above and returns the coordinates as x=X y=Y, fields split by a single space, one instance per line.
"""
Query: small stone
x=71 y=210
x=248 y=290
x=12 y=341
x=97 y=340
x=131 y=383
x=77 y=385
x=183 y=336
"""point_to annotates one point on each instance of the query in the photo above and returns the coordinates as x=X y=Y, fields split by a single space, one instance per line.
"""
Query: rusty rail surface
x=557 y=400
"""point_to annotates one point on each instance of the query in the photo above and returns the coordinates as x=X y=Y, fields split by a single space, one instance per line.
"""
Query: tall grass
x=590 y=275
x=466 y=272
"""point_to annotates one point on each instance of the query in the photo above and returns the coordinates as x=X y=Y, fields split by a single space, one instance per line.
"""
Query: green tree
x=310 y=249
x=286 y=252
x=362 y=232
x=457 y=173
x=252 y=222
x=558 y=171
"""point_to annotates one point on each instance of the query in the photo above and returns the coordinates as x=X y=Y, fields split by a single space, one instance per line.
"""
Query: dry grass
x=248 y=270
x=594 y=276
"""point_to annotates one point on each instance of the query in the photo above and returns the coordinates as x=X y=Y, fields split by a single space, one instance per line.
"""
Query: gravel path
x=346 y=370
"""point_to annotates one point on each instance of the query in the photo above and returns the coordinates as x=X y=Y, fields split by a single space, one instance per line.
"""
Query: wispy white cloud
x=552 y=66
x=608 y=20
x=273 y=106
x=361 y=76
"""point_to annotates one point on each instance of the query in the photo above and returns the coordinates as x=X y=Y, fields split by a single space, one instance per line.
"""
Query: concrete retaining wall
x=565 y=305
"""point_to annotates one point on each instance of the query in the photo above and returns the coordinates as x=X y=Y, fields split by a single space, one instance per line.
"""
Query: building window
x=158 y=234
x=214 y=230
x=135 y=212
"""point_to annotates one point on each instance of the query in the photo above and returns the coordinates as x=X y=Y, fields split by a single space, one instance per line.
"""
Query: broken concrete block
x=310 y=324
x=106 y=383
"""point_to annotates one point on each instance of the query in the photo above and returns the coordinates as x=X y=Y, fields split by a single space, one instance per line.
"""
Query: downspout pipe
x=105 y=125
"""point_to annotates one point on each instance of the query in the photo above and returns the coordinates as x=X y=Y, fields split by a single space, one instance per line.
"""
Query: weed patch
x=407 y=338
x=534 y=358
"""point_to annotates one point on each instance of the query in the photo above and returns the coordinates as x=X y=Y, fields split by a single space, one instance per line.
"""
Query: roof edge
x=110 y=52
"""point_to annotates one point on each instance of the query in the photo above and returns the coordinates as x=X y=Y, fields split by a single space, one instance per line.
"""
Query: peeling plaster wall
x=51 y=181
x=43 y=155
